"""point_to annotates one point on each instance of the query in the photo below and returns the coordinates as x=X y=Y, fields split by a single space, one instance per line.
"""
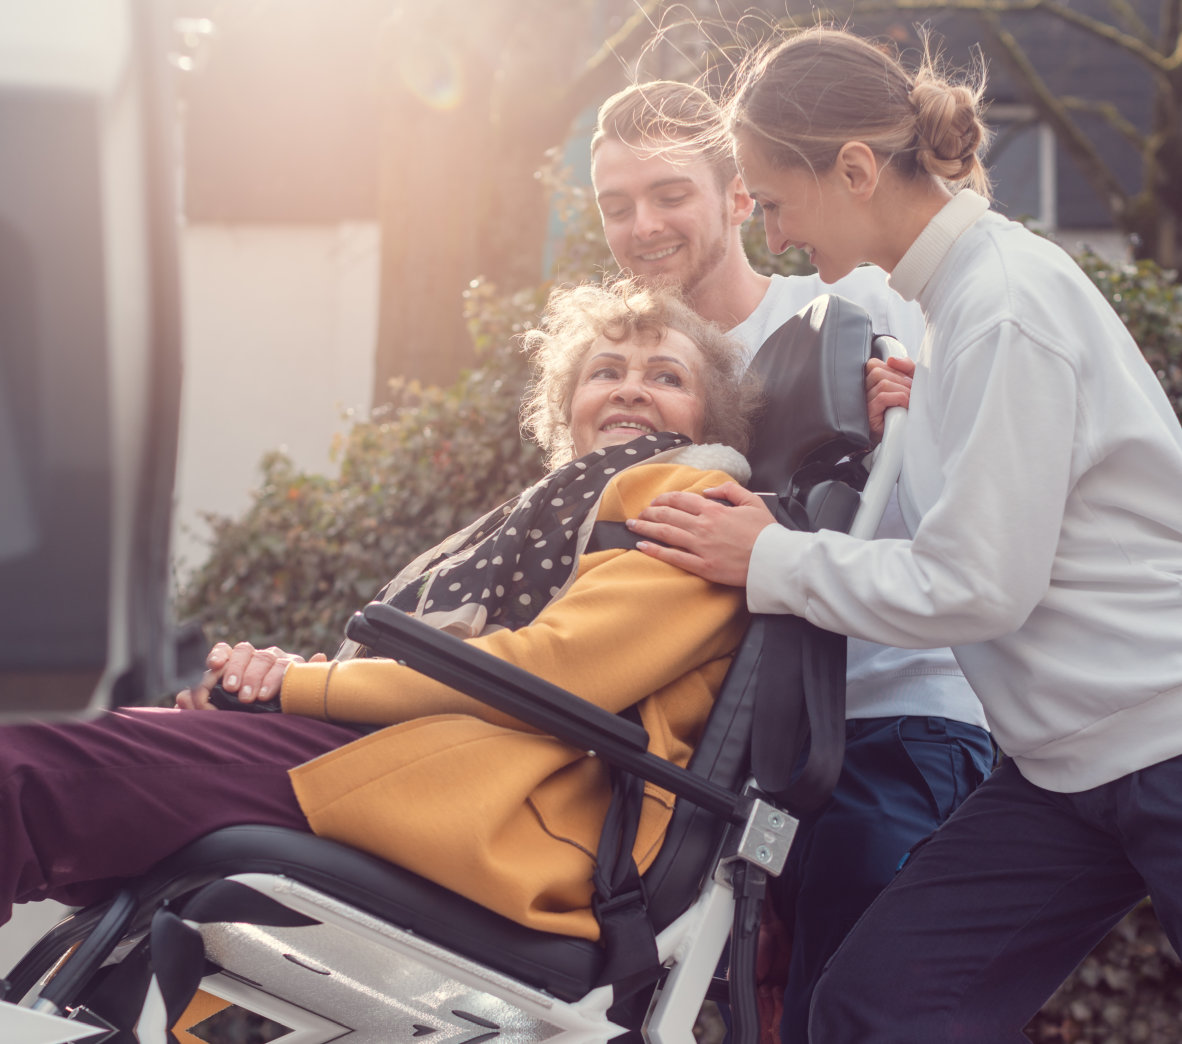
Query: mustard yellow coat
x=474 y=800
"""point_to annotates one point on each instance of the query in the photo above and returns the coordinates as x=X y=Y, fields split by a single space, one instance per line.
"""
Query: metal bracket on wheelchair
x=763 y=839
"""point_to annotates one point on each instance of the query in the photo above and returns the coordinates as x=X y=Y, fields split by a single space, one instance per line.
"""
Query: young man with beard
x=673 y=207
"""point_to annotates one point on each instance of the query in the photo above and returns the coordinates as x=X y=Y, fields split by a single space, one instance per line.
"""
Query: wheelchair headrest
x=813 y=371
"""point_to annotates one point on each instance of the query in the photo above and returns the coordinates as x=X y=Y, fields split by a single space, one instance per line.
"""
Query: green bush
x=1149 y=300
x=791 y=262
x=1127 y=991
x=313 y=548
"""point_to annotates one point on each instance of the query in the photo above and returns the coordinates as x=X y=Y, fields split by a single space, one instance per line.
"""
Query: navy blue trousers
x=902 y=777
x=995 y=910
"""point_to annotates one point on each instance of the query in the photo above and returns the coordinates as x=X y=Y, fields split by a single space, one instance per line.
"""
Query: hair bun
x=948 y=130
x=807 y=96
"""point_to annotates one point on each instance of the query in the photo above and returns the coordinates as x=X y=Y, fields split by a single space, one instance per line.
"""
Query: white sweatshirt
x=881 y=681
x=1042 y=483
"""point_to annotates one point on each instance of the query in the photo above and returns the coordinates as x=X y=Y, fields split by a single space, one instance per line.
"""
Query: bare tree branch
x=1092 y=165
x=1111 y=115
x=1141 y=49
x=1171 y=29
x=1144 y=51
x=1133 y=21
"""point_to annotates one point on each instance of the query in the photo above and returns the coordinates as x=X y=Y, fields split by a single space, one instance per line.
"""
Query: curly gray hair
x=577 y=316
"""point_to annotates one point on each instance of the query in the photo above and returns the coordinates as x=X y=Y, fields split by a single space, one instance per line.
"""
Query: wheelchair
x=332 y=944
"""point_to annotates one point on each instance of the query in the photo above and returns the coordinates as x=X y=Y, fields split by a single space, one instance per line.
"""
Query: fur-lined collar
x=713 y=456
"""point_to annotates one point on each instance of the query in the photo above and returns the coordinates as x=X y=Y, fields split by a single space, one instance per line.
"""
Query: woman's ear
x=738 y=204
x=857 y=167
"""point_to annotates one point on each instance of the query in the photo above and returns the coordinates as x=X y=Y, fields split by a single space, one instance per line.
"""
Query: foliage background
x=312 y=548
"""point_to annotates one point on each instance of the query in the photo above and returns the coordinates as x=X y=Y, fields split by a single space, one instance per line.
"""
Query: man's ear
x=739 y=205
x=857 y=167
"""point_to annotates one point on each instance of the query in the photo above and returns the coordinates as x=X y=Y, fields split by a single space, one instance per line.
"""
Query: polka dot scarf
x=506 y=567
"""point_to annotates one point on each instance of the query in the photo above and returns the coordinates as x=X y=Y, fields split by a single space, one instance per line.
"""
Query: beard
x=710 y=260
x=713 y=253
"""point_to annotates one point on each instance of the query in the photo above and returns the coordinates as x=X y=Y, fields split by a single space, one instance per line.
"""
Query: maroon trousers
x=85 y=805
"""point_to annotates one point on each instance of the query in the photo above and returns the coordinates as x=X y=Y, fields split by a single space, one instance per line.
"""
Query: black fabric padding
x=824 y=349
x=832 y=505
x=798 y=740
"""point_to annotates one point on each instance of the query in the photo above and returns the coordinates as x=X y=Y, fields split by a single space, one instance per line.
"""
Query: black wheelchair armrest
x=623 y=744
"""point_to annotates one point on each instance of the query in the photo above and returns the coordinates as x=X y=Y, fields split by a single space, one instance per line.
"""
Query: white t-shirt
x=866 y=287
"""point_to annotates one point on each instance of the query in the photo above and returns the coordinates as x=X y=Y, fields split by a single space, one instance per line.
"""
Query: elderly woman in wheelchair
x=388 y=760
x=524 y=884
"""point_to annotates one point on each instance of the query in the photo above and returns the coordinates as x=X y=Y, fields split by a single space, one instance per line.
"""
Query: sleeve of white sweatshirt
x=981 y=558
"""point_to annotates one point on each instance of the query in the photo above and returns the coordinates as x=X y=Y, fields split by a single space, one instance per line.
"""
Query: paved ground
x=29 y=922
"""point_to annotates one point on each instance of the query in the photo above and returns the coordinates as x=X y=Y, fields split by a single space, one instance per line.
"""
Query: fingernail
x=641 y=545
x=245 y=693
x=630 y=523
x=231 y=680
x=263 y=692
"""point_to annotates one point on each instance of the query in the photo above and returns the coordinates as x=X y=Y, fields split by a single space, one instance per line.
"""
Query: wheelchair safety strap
x=606 y=536
x=620 y=904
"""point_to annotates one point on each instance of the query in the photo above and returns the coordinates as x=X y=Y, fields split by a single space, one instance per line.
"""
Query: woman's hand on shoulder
x=711 y=533
x=249 y=673
x=887 y=384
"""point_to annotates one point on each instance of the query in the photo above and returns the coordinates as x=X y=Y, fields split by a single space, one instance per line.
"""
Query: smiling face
x=801 y=209
x=665 y=216
x=637 y=386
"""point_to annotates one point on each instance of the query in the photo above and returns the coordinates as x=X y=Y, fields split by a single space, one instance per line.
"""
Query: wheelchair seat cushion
x=564 y=966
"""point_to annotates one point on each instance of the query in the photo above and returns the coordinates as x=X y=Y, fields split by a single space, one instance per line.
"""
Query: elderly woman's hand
x=710 y=539
x=252 y=674
x=887 y=384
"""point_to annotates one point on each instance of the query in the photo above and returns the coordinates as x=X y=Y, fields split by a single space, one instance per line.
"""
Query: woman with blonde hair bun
x=1040 y=486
